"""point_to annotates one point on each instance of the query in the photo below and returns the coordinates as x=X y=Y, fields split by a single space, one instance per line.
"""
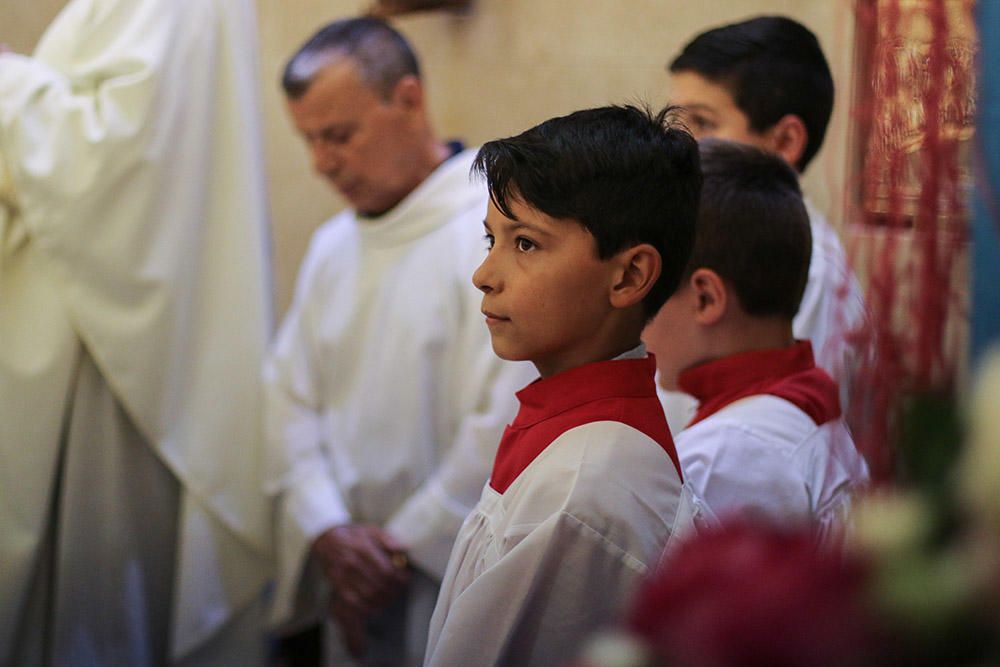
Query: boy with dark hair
x=590 y=223
x=768 y=438
x=765 y=82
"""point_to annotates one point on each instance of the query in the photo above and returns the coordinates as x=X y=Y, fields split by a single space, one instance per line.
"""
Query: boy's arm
x=537 y=604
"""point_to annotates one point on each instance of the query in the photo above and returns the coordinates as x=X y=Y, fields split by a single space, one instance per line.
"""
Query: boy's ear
x=788 y=138
x=639 y=269
x=710 y=296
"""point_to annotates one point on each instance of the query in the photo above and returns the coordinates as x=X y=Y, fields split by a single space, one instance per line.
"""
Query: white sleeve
x=735 y=472
x=537 y=604
x=307 y=500
x=427 y=523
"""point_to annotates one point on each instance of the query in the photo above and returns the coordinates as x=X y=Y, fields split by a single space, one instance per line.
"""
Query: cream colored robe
x=133 y=227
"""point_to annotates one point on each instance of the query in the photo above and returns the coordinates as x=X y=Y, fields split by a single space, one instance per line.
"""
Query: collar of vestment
x=621 y=390
x=446 y=192
x=789 y=373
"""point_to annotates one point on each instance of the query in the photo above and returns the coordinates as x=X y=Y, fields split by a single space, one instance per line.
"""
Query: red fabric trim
x=789 y=373
x=621 y=390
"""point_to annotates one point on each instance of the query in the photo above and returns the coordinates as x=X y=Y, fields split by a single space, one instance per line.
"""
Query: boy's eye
x=700 y=123
x=523 y=244
x=489 y=241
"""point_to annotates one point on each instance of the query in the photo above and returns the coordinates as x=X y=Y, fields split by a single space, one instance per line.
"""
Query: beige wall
x=498 y=69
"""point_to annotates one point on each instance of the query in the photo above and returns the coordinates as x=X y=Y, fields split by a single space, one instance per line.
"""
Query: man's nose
x=326 y=160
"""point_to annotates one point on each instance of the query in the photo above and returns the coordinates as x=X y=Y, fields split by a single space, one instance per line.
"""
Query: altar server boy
x=590 y=224
x=768 y=438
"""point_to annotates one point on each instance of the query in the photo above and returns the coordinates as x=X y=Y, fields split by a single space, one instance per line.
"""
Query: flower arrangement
x=917 y=583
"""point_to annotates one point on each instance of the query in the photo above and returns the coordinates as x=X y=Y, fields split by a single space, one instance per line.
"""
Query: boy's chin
x=506 y=353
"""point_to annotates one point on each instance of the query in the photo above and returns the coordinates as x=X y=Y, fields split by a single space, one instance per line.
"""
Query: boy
x=765 y=82
x=590 y=223
x=768 y=438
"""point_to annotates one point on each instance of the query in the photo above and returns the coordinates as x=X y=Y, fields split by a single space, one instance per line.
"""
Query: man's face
x=710 y=111
x=360 y=143
x=545 y=290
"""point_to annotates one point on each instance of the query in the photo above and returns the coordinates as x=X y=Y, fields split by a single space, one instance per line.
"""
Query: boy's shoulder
x=605 y=474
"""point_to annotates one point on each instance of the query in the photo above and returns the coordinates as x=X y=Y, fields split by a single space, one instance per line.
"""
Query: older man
x=385 y=402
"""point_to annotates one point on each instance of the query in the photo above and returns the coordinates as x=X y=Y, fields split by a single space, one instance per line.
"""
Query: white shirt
x=765 y=457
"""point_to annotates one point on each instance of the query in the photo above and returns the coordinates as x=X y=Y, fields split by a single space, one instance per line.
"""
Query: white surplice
x=544 y=563
x=385 y=401
x=133 y=273
x=764 y=457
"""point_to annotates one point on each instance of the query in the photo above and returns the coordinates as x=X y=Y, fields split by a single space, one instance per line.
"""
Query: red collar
x=617 y=378
x=789 y=373
x=621 y=390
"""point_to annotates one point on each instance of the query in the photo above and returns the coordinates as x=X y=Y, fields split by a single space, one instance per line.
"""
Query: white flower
x=979 y=472
x=890 y=524
x=615 y=650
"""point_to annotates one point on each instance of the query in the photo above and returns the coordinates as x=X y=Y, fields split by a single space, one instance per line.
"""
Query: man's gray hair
x=382 y=55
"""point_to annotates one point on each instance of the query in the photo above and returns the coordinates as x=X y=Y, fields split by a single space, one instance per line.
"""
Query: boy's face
x=674 y=336
x=545 y=290
x=711 y=111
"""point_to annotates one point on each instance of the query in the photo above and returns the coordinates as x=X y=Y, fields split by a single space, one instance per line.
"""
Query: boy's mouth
x=493 y=318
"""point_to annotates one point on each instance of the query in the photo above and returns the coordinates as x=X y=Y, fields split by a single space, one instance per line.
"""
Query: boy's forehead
x=524 y=216
x=690 y=89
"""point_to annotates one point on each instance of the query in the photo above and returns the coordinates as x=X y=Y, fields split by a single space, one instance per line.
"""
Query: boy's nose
x=483 y=277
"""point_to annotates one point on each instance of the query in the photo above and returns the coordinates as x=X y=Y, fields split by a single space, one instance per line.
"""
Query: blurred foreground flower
x=747 y=594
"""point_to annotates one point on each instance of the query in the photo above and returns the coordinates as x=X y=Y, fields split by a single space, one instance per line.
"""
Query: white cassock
x=770 y=442
x=764 y=457
x=385 y=401
x=562 y=537
x=832 y=307
x=133 y=318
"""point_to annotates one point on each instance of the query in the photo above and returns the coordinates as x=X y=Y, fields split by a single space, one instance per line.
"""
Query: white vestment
x=541 y=568
x=133 y=316
x=385 y=401
x=764 y=457
x=832 y=307
x=543 y=564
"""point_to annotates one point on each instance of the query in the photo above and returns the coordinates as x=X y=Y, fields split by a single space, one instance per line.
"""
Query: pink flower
x=749 y=595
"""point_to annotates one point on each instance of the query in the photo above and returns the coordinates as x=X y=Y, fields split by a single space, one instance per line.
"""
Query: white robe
x=132 y=237
x=765 y=457
x=832 y=306
x=537 y=570
x=385 y=401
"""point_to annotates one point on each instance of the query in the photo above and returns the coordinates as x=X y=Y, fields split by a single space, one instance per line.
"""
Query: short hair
x=772 y=66
x=753 y=228
x=382 y=54
x=627 y=175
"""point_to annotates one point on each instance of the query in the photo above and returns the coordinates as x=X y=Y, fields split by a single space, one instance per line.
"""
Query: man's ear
x=408 y=93
x=638 y=269
x=788 y=138
x=710 y=297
